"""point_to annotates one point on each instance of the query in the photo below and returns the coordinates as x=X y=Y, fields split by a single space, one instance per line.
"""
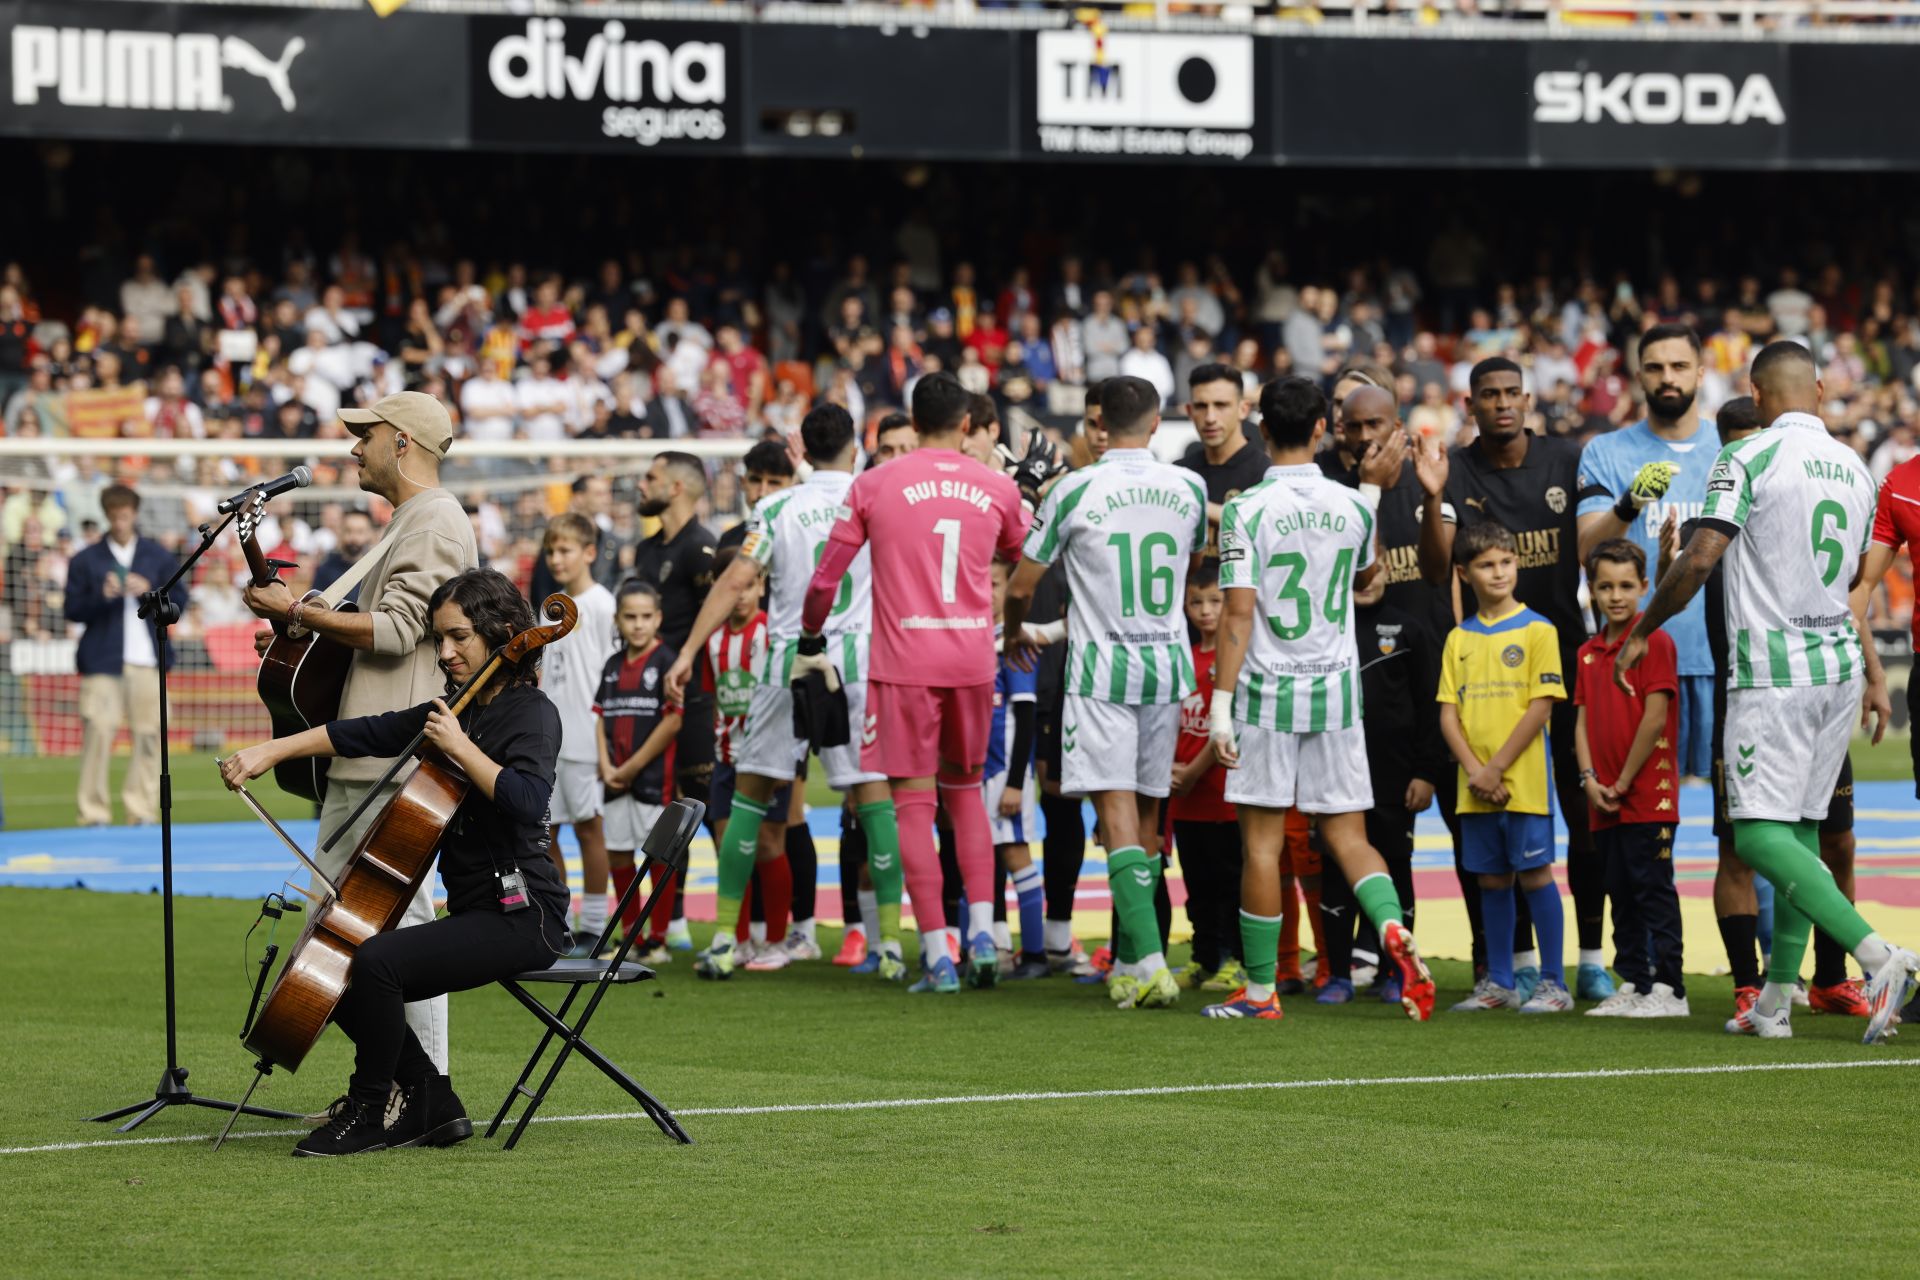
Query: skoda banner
x=1627 y=102
x=587 y=84
x=231 y=73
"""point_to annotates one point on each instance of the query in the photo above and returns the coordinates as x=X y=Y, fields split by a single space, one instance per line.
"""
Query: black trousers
x=1062 y=852
x=1390 y=832
x=805 y=863
x=1646 y=909
x=1913 y=735
x=1210 y=863
x=453 y=953
x=1586 y=866
x=853 y=856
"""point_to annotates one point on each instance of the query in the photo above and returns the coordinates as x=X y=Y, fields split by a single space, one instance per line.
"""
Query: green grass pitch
x=1787 y=1173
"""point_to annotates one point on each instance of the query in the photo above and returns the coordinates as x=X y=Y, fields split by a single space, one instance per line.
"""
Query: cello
x=381 y=877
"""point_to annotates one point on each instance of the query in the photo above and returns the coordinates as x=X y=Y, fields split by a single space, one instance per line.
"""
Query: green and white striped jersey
x=1296 y=540
x=1802 y=505
x=786 y=534
x=1127 y=526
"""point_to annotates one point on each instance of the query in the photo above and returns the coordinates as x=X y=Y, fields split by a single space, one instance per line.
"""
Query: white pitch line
x=1067 y=1095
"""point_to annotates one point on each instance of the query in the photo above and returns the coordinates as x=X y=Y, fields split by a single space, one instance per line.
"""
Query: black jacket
x=1399 y=677
x=520 y=731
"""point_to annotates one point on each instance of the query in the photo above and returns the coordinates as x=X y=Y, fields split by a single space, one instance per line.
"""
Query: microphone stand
x=158 y=608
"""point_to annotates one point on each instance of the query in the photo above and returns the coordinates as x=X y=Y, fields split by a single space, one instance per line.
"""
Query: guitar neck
x=261 y=572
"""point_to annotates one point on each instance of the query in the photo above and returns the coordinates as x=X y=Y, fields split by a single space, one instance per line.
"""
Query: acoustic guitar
x=302 y=673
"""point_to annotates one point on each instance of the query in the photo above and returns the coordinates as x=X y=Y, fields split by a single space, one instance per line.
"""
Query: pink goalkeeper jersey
x=935 y=520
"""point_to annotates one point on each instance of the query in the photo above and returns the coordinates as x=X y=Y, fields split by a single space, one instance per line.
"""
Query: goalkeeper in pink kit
x=935 y=519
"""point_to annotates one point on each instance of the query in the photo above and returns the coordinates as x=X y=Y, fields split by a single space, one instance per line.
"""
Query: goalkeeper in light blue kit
x=1640 y=483
x=1791 y=509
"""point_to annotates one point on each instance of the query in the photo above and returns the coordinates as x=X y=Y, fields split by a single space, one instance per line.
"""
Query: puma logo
x=241 y=56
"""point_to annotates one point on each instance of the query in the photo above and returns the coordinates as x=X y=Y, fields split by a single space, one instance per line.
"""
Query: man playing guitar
x=402 y=440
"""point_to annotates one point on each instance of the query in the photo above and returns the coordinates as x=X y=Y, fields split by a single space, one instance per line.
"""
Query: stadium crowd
x=679 y=345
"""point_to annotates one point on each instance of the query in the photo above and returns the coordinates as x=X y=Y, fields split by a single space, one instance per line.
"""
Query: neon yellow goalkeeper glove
x=1649 y=485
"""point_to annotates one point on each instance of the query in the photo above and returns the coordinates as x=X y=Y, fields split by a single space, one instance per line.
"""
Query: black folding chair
x=665 y=845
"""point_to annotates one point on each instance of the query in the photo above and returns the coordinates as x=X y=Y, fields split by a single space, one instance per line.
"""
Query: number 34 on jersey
x=1296 y=540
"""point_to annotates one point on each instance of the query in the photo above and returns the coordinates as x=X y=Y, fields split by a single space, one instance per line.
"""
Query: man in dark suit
x=116 y=659
x=669 y=415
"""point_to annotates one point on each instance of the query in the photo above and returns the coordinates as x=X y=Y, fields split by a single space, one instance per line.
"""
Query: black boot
x=352 y=1127
x=430 y=1116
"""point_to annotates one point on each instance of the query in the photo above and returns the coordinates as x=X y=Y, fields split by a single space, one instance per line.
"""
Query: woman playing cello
x=506 y=903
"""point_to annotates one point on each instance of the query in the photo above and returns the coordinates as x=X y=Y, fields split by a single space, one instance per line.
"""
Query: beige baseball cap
x=422 y=418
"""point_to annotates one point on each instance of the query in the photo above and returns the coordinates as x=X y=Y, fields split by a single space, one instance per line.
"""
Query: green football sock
x=1789 y=858
x=1378 y=899
x=736 y=863
x=1260 y=939
x=1791 y=930
x=882 y=830
x=1130 y=877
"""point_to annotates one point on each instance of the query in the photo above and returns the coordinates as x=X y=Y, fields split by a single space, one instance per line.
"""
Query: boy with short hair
x=1499 y=678
x=1206 y=830
x=1625 y=745
x=636 y=724
x=1010 y=800
x=571 y=669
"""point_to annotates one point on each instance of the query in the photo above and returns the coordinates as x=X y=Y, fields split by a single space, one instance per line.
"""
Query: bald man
x=1791 y=510
x=1381 y=466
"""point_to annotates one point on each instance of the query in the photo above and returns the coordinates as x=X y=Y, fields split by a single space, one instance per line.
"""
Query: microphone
x=298 y=478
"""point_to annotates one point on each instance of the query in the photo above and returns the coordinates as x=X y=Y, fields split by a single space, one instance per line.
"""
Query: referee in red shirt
x=1896 y=524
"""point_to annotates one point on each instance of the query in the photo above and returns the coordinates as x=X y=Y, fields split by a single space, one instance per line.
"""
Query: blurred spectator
x=1104 y=338
x=1144 y=360
x=356 y=534
x=116 y=659
x=669 y=415
x=718 y=410
x=332 y=319
x=147 y=298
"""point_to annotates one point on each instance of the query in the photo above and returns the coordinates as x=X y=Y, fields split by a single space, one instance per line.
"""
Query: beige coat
x=429 y=541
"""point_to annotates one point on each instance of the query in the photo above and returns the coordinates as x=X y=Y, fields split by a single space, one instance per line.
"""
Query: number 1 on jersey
x=949 y=531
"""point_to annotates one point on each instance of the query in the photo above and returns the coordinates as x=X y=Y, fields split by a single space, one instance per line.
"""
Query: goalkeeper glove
x=1650 y=484
x=810 y=657
x=1031 y=472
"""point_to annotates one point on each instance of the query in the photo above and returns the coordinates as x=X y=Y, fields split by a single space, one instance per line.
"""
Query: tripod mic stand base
x=172 y=1091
